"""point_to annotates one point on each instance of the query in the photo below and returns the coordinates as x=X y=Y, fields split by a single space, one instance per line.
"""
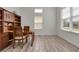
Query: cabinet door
x=5 y=40
x=1 y=41
x=0 y=29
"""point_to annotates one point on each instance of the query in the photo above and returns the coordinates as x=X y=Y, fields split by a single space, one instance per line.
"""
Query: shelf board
x=8 y=31
x=17 y=22
x=9 y=21
x=5 y=21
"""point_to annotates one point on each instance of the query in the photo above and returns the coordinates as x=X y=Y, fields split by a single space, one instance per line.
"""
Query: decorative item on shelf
x=10 y=26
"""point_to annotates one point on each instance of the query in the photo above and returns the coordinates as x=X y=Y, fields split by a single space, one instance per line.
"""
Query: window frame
x=71 y=21
x=62 y=20
x=38 y=14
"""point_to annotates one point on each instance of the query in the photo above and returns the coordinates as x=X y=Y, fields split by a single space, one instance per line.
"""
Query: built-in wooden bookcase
x=3 y=35
x=8 y=21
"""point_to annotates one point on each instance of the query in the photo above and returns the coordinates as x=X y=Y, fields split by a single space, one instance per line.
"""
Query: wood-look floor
x=45 y=44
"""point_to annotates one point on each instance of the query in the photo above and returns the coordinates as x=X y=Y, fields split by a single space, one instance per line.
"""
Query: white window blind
x=38 y=21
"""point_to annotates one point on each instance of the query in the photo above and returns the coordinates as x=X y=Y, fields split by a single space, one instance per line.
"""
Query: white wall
x=27 y=16
x=69 y=36
x=49 y=25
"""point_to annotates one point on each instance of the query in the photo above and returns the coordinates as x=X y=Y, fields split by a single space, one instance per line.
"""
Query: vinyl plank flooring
x=45 y=44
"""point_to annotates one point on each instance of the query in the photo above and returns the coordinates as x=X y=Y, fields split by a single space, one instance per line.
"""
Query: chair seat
x=19 y=37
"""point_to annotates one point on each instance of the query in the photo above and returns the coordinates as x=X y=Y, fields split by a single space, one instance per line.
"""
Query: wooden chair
x=28 y=32
x=18 y=36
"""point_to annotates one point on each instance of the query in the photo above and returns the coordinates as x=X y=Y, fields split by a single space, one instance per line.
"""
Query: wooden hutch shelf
x=8 y=21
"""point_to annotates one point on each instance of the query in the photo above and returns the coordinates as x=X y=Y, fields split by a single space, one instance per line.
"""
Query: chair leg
x=22 y=43
x=18 y=42
x=13 y=43
x=26 y=39
x=33 y=37
x=32 y=42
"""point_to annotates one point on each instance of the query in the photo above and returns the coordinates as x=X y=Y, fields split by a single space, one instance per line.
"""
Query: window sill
x=65 y=29
x=76 y=32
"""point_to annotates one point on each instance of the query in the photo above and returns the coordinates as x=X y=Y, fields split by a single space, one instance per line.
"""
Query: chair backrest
x=18 y=31
x=26 y=30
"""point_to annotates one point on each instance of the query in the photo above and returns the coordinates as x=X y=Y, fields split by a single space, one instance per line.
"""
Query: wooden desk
x=30 y=33
x=33 y=37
